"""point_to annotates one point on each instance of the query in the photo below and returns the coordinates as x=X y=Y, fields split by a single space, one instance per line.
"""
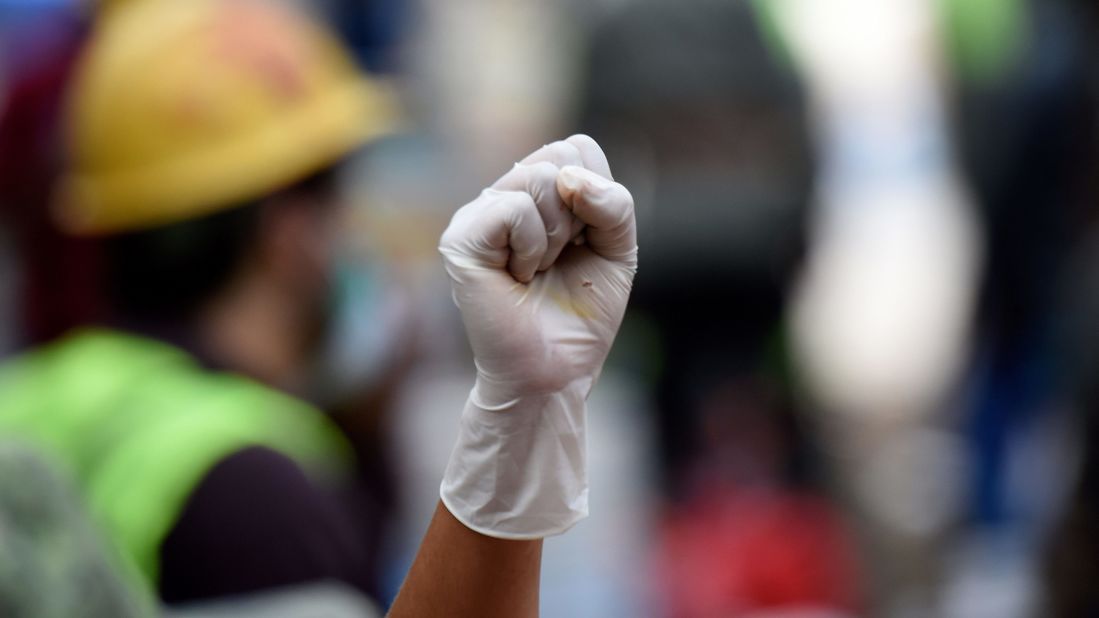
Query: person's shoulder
x=258 y=488
x=251 y=472
x=257 y=521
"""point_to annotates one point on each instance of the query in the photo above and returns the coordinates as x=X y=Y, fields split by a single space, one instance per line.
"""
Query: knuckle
x=488 y=197
x=543 y=172
x=584 y=139
x=495 y=200
x=514 y=206
x=624 y=195
x=451 y=233
x=446 y=246
x=449 y=238
x=565 y=153
x=542 y=186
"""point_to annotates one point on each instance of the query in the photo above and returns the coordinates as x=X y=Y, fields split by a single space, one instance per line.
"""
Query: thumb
x=606 y=207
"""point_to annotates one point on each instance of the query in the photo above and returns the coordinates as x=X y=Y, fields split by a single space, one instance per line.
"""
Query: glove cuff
x=519 y=471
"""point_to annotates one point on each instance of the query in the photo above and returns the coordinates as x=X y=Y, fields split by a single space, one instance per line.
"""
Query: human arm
x=541 y=266
x=459 y=572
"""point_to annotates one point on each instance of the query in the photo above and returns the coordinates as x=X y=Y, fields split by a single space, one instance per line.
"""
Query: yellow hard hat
x=182 y=108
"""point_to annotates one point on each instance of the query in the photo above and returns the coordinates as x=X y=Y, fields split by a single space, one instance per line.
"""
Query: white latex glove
x=541 y=266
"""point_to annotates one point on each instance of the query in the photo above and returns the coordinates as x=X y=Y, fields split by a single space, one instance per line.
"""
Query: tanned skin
x=459 y=573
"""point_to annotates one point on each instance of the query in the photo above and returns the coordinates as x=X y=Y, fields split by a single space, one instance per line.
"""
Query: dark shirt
x=257 y=522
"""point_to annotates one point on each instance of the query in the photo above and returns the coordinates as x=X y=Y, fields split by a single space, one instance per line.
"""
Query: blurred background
x=858 y=373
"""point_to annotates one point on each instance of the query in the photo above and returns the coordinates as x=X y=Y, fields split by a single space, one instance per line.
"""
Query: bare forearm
x=459 y=573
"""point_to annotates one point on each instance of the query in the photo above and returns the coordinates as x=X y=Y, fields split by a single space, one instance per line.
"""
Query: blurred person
x=255 y=143
x=1070 y=565
x=55 y=561
x=924 y=320
x=880 y=314
x=708 y=124
x=57 y=283
x=208 y=174
x=1024 y=124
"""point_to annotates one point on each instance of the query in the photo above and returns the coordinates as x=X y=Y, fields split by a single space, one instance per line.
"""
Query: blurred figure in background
x=1072 y=551
x=203 y=141
x=953 y=141
x=709 y=126
x=56 y=562
x=880 y=315
x=1025 y=111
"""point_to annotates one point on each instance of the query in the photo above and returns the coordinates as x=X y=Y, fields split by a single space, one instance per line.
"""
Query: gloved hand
x=541 y=266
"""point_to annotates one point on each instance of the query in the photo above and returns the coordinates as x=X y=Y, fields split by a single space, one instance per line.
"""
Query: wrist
x=493 y=395
x=519 y=469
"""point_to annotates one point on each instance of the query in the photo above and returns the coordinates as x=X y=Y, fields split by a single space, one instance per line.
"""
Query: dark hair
x=170 y=272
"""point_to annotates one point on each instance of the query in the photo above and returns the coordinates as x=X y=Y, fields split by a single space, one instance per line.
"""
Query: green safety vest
x=138 y=424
